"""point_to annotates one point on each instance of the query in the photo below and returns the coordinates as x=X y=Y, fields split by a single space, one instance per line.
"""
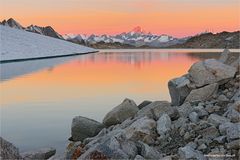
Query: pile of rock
x=203 y=120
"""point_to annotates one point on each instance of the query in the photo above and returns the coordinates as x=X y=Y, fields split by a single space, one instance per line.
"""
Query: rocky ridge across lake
x=201 y=122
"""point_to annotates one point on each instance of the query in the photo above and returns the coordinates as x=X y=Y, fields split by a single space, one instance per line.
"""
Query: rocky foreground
x=202 y=121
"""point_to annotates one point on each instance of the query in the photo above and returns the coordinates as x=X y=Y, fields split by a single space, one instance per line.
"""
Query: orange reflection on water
x=100 y=75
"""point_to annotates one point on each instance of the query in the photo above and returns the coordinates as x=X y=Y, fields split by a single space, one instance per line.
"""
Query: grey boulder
x=83 y=127
x=163 y=124
x=202 y=94
x=156 y=109
x=179 y=90
x=210 y=71
x=125 y=110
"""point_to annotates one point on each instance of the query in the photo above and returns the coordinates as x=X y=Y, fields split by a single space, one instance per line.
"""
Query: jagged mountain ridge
x=47 y=31
x=134 y=38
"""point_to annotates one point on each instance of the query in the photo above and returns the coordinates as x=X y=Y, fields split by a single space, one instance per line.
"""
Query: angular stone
x=144 y=104
x=84 y=127
x=233 y=115
x=234 y=144
x=102 y=151
x=178 y=89
x=44 y=153
x=149 y=152
x=233 y=132
x=185 y=109
x=139 y=157
x=216 y=120
x=163 y=124
x=223 y=127
x=202 y=94
x=193 y=116
x=229 y=58
x=8 y=150
x=188 y=152
x=209 y=133
x=140 y=129
x=125 y=110
x=221 y=139
x=210 y=71
x=156 y=109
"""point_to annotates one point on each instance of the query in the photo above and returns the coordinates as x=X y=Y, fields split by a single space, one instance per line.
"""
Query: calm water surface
x=39 y=98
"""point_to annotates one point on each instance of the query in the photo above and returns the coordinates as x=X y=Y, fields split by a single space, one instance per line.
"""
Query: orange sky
x=175 y=17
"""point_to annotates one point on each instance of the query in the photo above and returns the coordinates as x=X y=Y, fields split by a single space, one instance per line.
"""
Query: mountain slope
x=210 y=40
x=19 y=44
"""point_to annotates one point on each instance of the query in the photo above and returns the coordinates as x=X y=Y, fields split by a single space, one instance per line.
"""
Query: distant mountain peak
x=138 y=29
x=12 y=23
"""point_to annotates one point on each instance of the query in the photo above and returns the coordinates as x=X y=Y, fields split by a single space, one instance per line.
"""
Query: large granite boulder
x=210 y=71
x=202 y=94
x=84 y=127
x=156 y=109
x=142 y=129
x=179 y=90
x=44 y=153
x=229 y=58
x=8 y=150
x=125 y=110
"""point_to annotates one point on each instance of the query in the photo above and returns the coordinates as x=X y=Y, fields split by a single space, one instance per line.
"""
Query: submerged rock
x=84 y=127
x=125 y=110
x=210 y=71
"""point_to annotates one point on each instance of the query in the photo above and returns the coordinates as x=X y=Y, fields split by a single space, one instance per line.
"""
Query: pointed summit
x=12 y=23
x=138 y=29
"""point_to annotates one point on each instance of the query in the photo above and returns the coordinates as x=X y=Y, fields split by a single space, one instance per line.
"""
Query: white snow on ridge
x=18 y=44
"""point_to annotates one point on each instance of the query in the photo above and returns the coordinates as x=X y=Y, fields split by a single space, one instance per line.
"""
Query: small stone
x=186 y=136
x=149 y=152
x=222 y=100
x=139 y=157
x=221 y=139
x=210 y=132
x=233 y=115
x=188 y=152
x=202 y=147
x=185 y=109
x=234 y=144
x=200 y=111
x=217 y=120
x=193 y=116
x=233 y=132
x=163 y=124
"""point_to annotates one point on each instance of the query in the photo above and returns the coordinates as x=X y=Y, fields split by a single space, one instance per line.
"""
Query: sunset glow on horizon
x=172 y=17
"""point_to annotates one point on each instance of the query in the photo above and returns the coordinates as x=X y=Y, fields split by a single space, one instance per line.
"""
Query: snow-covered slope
x=18 y=44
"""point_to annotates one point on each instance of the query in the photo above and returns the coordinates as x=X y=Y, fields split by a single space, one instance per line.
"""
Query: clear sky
x=175 y=17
